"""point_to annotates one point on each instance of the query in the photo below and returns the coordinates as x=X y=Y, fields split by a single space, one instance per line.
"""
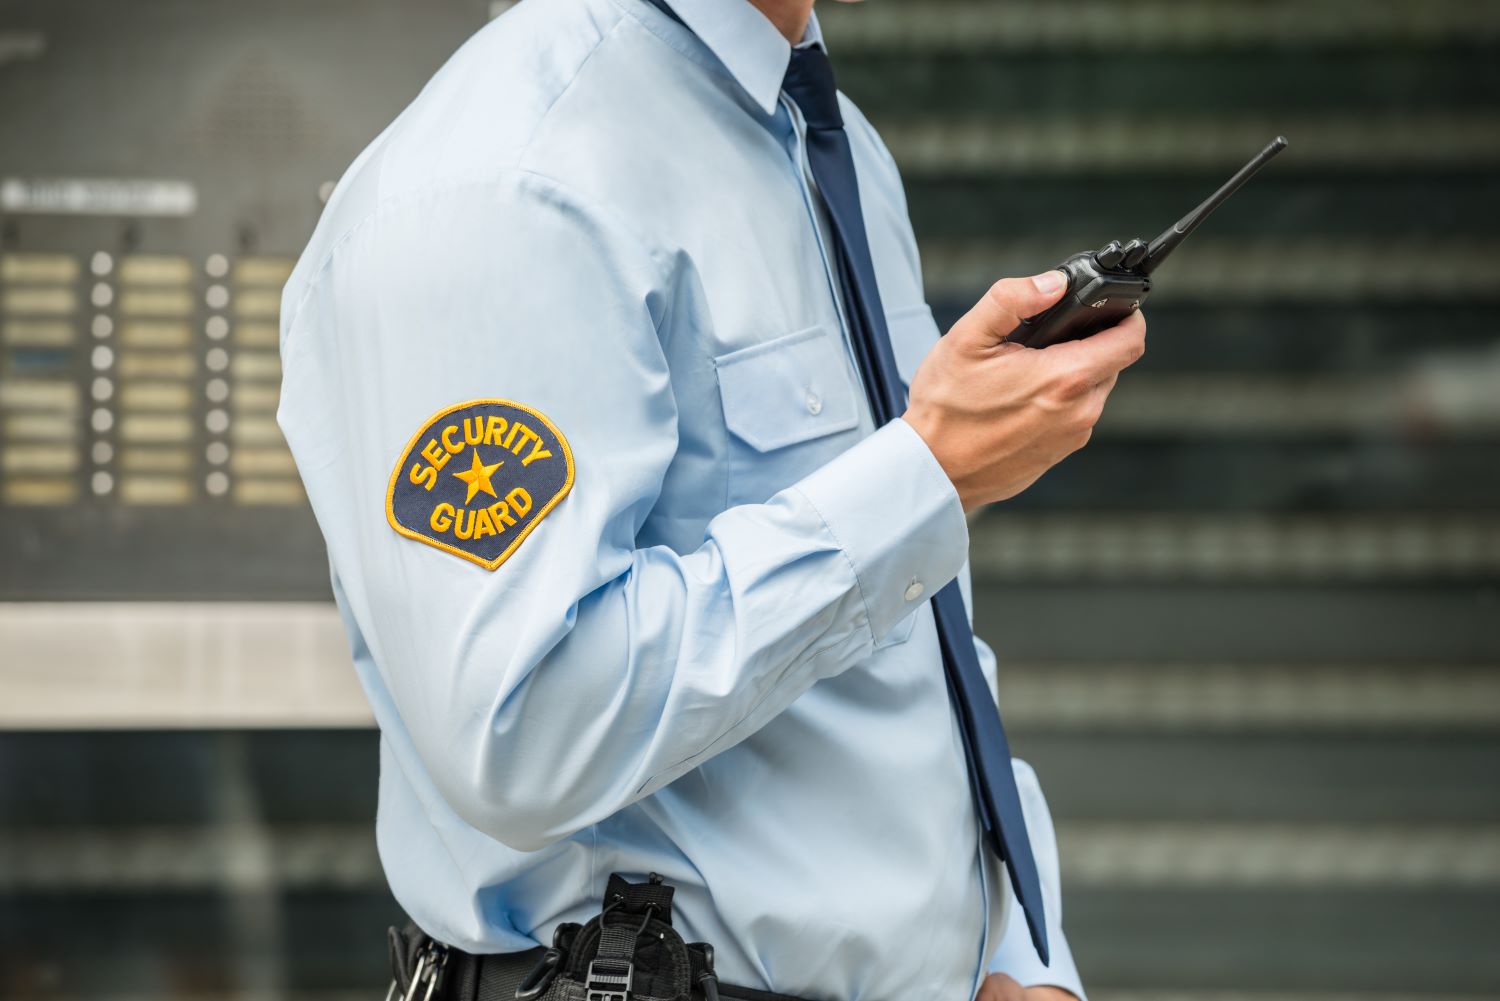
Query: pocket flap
x=788 y=390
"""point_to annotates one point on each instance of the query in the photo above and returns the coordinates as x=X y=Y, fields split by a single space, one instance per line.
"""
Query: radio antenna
x=1168 y=241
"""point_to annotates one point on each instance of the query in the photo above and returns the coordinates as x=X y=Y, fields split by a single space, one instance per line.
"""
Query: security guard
x=641 y=571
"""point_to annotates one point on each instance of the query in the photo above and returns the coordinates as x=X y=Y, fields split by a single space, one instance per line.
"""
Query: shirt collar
x=748 y=44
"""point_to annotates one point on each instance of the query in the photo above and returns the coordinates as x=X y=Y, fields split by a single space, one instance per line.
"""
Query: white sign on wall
x=97 y=196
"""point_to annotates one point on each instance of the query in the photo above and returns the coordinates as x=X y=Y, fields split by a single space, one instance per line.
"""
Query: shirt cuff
x=1017 y=958
x=897 y=517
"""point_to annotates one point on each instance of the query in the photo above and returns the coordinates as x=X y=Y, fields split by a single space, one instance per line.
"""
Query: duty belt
x=629 y=952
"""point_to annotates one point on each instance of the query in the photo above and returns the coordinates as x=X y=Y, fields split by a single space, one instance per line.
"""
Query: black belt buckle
x=609 y=980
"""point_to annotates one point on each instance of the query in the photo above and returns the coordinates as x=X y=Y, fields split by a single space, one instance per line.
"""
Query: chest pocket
x=790 y=407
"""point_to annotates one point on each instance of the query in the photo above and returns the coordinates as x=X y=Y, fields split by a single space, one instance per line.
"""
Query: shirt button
x=914 y=590
x=814 y=404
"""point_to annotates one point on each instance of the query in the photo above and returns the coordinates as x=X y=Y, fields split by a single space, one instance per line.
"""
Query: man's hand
x=997 y=415
x=999 y=987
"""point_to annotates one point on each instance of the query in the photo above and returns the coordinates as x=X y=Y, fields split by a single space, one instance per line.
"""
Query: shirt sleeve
x=1016 y=956
x=585 y=671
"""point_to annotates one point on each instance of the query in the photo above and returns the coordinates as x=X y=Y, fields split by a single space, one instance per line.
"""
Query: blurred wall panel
x=161 y=166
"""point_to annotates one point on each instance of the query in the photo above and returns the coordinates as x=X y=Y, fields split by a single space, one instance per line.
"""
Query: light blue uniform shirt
x=714 y=658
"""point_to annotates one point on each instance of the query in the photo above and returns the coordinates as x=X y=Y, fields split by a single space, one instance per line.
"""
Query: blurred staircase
x=1250 y=638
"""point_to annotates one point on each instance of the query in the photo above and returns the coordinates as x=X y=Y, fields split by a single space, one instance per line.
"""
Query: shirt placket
x=797 y=150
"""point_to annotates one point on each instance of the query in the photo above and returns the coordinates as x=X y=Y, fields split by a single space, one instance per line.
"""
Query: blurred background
x=1273 y=752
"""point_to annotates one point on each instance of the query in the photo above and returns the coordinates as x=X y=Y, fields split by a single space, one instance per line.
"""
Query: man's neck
x=789 y=16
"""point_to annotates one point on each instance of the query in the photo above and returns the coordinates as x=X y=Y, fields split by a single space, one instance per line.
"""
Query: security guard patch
x=477 y=478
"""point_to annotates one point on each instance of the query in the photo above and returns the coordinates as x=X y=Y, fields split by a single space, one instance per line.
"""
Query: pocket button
x=814 y=404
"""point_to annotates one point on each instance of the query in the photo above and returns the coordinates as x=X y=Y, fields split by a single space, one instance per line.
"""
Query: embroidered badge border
x=425 y=429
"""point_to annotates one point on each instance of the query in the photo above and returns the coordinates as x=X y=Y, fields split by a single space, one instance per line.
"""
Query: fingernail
x=1049 y=282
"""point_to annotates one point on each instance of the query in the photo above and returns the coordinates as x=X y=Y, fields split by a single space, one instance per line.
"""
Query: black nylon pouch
x=631 y=946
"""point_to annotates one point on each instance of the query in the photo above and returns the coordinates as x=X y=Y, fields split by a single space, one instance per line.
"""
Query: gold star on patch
x=477 y=476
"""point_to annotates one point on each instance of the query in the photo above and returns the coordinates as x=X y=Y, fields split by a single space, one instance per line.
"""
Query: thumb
x=1009 y=301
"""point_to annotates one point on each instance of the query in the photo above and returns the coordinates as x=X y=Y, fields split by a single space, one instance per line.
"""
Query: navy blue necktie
x=809 y=82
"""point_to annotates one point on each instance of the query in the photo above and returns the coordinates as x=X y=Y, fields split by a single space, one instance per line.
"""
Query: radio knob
x=1109 y=255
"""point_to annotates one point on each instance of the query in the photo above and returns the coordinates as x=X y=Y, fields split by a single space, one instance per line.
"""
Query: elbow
x=502 y=810
x=501 y=792
x=532 y=762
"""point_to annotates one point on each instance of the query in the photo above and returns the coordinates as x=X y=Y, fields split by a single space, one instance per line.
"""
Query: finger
x=1106 y=353
x=1007 y=302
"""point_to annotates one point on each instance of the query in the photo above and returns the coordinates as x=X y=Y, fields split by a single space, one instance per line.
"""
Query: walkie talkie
x=1107 y=285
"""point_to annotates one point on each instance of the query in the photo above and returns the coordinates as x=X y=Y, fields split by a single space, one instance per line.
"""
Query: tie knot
x=809 y=82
